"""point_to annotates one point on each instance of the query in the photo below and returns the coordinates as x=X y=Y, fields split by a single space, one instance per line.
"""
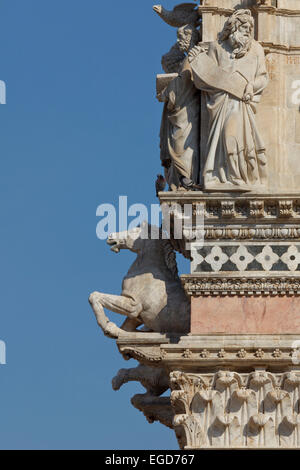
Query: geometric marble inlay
x=246 y=258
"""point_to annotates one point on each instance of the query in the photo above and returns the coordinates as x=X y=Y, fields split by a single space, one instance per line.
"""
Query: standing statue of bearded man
x=180 y=129
x=232 y=76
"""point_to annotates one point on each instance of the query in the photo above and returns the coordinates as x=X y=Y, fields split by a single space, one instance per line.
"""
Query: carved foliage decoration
x=203 y=286
x=228 y=409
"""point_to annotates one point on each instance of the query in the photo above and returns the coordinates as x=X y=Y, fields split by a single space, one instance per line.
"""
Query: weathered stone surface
x=245 y=315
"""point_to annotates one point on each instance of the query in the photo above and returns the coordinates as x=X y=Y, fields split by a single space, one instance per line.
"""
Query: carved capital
x=236 y=410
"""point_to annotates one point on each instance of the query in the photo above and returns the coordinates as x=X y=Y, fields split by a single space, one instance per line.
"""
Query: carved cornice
x=270 y=47
x=214 y=10
x=271 y=10
x=206 y=351
x=253 y=217
x=214 y=285
x=238 y=356
x=257 y=232
x=276 y=11
x=267 y=208
x=286 y=12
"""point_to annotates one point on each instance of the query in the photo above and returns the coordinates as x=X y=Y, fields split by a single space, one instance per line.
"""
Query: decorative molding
x=248 y=355
x=286 y=208
x=187 y=354
x=209 y=351
x=230 y=217
x=286 y=12
x=242 y=353
x=256 y=208
x=228 y=209
x=221 y=354
x=270 y=232
x=214 y=10
x=272 y=10
x=270 y=47
x=216 y=207
x=196 y=285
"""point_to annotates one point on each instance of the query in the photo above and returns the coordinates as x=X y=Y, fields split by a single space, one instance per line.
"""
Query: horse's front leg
x=118 y=304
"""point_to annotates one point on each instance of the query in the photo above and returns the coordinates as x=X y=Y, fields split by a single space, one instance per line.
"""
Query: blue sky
x=80 y=128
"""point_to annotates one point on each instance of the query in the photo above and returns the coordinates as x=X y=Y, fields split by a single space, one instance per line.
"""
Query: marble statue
x=180 y=128
x=235 y=155
x=151 y=293
x=231 y=76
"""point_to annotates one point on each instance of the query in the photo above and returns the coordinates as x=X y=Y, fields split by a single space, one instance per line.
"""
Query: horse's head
x=133 y=239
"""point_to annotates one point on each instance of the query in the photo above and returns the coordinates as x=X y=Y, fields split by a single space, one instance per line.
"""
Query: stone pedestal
x=235 y=379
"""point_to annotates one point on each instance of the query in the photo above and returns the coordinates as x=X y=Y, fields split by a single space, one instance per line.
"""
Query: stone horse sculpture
x=151 y=293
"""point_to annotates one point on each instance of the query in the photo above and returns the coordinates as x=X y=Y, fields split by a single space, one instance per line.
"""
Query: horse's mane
x=168 y=250
x=170 y=257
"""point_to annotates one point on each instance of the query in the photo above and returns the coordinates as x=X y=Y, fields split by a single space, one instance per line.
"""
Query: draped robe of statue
x=180 y=129
x=235 y=152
